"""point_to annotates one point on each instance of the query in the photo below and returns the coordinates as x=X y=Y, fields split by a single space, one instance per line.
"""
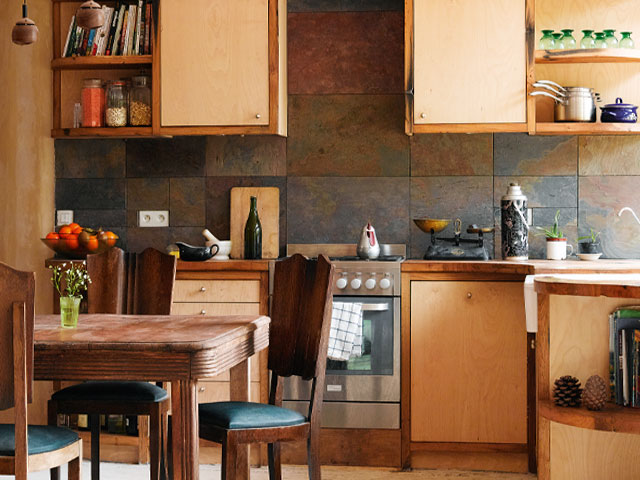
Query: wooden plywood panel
x=221 y=291
x=468 y=362
x=268 y=212
x=579 y=454
x=215 y=309
x=216 y=70
x=469 y=62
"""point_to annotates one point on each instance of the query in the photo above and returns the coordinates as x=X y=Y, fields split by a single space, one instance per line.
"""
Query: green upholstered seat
x=241 y=415
x=40 y=438
x=117 y=392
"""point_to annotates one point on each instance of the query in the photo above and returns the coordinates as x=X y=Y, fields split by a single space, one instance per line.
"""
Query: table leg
x=184 y=409
x=240 y=390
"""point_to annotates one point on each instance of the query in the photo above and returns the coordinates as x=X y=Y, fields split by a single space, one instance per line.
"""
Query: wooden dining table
x=180 y=349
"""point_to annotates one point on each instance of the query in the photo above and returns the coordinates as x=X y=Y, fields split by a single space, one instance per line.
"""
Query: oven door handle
x=375 y=307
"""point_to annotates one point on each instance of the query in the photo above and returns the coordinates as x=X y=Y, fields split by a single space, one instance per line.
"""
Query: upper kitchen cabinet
x=222 y=67
x=466 y=64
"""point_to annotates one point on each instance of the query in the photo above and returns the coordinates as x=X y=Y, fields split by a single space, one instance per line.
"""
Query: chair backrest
x=133 y=283
x=300 y=317
x=16 y=288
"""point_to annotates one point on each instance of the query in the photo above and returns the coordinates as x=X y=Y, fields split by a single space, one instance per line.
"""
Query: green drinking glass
x=559 y=42
x=69 y=310
x=547 y=42
x=587 y=40
x=600 y=40
x=610 y=38
x=568 y=40
x=626 y=41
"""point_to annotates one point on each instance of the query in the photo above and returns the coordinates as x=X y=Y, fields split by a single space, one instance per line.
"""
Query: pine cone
x=567 y=392
x=596 y=393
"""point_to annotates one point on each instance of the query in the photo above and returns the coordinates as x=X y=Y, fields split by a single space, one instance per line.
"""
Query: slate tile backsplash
x=347 y=160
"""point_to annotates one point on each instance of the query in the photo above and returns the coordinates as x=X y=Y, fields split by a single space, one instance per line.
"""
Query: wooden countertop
x=530 y=267
x=612 y=285
x=224 y=266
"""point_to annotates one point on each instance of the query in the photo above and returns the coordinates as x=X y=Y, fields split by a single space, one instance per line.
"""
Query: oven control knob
x=385 y=283
x=341 y=283
x=370 y=283
x=356 y=282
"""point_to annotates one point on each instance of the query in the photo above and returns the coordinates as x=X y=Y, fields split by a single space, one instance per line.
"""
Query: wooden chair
x=26 y=448
x=124 y=283
x=299 y=335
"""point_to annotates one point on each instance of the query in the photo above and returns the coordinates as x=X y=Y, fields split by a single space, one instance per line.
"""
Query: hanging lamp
x=90 y=15
x=25 y=31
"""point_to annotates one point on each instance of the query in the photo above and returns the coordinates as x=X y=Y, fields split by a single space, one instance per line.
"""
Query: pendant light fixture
x=90 y=15
x=25 y=31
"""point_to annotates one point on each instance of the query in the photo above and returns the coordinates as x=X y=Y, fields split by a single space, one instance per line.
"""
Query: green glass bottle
x=253 y=233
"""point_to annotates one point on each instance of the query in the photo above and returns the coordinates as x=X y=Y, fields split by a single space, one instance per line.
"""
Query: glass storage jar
x=626 y=41
x=600 y=41
x=559 y=41
x=547 y=42
x=140 y=101
x=92 y=103
x=567 y=39
x=116 y=111
x=610 y=38
x=587 y=40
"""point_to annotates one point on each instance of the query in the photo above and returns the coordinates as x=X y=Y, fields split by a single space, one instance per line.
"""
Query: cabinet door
x=214 y=62
x=469 y=61
x=468 y=362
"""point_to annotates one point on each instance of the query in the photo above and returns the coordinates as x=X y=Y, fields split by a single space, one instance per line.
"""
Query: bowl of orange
x=75 y=242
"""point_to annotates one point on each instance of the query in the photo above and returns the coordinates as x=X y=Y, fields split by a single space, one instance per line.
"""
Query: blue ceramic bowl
x=619 y=112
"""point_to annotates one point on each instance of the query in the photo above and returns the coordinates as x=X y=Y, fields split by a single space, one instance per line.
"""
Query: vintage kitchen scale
x=455 y=248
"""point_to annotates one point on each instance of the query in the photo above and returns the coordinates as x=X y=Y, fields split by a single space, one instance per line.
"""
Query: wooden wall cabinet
x=465 y=396
x=217 y=67
x=465 y=66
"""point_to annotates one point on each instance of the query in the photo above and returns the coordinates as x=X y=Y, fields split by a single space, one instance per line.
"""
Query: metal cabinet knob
x=201 y=389
x=258 y=115
x=469 y=295
x=203 y=289
x=203 y=312
x=423 y=115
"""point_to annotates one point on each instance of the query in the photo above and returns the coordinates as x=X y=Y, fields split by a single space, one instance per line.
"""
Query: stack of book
x=126 y=31
x=624 y=356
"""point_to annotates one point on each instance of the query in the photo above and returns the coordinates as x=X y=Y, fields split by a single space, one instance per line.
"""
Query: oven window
x=377 y=344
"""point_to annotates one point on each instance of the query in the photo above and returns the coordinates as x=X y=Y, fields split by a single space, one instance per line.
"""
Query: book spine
x=132 y=29
x=66 y=42
x=143 y=26
x=104 y=31
x=152 y=24
x=118 y=34
x=112 y=30
x=79 y=35
x=625 y=370
x=612 y=357
x=148 y=29
x=123 y=34
x=136 y=41
x=88 y=48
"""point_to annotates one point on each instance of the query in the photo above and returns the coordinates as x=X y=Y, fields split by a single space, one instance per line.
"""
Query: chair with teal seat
x=298 y=339
x=131 y=283
x=26 y=448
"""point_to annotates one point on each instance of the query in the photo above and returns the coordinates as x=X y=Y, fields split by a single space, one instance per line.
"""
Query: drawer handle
x=201 y=389
x=203 y=289
x=469 y=295
x=203 y=312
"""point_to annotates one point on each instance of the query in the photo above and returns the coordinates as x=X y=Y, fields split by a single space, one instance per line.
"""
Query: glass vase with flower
x=70 y=281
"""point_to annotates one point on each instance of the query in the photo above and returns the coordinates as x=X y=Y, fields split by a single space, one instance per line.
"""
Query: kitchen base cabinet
x=468 y=374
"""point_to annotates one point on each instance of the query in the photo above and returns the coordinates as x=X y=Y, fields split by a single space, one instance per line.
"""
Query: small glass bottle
x=547 y=42
x=140 y=101
x=253 y=233
x=92 y=103
x=116 y=111
x=600 y=41
x=559 y=42
x=626 y=41
x=610 y=38
x=587 y=40
x=568 y=40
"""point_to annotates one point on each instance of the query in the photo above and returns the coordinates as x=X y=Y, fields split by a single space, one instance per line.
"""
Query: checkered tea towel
x=345 y=336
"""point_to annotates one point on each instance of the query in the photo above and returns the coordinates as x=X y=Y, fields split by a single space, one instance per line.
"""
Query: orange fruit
x=53 y=236
x=74 y=225
x=77 y=230
x=71 y=241
x=111 y=238
x=65 y=231
x=92 y=244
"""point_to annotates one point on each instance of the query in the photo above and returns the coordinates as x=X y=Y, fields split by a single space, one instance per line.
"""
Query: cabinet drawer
x=219 y=391
x=184 y=308
x=241 y=291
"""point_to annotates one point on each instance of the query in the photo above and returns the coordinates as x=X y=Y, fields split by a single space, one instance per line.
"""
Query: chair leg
x=52 y=419
x=229 y=455
x=95 y=447
x=75 y=467
x=164 y=435
x=313 y=455
x=275 y=468
x=155 y=442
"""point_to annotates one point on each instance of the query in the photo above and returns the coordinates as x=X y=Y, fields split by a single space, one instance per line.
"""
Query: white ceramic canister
x=515 y=231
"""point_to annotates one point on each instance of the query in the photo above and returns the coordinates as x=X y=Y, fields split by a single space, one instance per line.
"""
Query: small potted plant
x=556 y=241
x=589 y=243
x=70 y=282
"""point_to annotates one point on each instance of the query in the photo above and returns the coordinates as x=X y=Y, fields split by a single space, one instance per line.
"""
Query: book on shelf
x=72 y=26
x=624 y=356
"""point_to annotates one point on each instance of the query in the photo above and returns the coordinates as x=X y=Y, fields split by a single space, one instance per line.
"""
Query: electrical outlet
x=64 y=217
x=153 y=218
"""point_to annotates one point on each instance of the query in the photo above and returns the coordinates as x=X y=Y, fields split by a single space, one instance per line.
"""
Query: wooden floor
x=116 y=471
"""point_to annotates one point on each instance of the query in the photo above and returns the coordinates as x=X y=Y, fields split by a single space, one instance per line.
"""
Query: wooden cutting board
x=268 y=212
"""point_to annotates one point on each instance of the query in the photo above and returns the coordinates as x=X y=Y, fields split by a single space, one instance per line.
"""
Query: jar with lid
x=116 y=111
x=92 y=103
x=140 y=101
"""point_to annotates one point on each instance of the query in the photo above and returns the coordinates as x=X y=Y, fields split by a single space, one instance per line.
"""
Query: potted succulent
x=70 y=282
x=589 y=243
x=556 y=241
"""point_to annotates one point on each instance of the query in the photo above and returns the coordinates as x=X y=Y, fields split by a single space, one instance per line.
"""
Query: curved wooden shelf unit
x=590 y=55
x=587 y=128
x=617 y=289
x=612 y=418
x=119 y=132
x=91 y=63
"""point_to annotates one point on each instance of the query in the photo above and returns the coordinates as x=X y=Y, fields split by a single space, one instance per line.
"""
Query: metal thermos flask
x=515 y=230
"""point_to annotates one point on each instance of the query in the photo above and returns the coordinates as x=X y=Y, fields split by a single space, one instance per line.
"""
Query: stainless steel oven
x=364 y=391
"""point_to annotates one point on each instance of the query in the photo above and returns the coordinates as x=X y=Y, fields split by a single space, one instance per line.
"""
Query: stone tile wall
x=347 y=160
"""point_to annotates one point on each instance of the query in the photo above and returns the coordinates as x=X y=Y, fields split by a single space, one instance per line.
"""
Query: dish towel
x=345 y=336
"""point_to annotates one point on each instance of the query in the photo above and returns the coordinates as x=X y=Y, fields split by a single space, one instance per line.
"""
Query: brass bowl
x=428 y=225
